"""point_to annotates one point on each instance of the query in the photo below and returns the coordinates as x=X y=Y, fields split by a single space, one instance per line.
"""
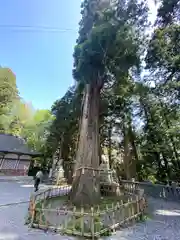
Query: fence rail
x=90 y=223
x=96 y=221
x=52 y=192
x=169 y=193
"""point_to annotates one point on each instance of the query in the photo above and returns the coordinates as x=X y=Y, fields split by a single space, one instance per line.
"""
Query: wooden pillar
x=17 y=163
x=2 y=161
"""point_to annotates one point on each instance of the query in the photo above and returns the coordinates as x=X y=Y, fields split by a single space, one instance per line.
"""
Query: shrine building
x=15 y=156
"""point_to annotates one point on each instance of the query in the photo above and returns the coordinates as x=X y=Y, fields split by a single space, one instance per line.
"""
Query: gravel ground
x=163 y=224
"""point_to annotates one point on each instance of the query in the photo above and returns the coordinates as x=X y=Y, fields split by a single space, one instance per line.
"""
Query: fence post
x=137 y=202
x=82 y=221
x=123 y=211
x=133 y=212
x=92 y=222
x=97 y=233
x=40 y=222
x=74 y=219
x=129 y=209
x=118 y=210
x=33 y=212
x=66 y=223
x=114 y=208
x=44 y=198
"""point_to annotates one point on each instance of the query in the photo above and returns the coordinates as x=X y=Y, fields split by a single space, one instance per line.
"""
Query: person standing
x=38 y=179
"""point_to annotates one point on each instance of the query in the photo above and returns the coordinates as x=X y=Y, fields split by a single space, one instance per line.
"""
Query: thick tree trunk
x=174 y=149
x=86 y=184
x=168 y=169
x=135 y=151
x=110 y=144
x=100 y=154
x=159 y=165
x=126 y=159
x=56 y=160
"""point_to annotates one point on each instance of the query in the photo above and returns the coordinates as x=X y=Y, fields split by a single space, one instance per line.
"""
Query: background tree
x=64 y=129
x=8 y=94
x=163 y=62
x=18 y=117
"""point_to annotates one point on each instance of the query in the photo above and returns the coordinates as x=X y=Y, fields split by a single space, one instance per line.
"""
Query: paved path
x=15 y=178
x=164 y=224
x=12 y=218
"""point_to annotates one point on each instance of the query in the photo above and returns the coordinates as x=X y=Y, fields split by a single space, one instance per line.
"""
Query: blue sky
x=41 y=59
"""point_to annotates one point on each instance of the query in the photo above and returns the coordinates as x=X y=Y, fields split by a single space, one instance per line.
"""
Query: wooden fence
x=52 y=192
x=91 y=223
x=169 y=193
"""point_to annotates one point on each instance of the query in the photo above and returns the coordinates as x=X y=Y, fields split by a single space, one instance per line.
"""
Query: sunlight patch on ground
x=8 y=236
x=167 y=212
x=27 y=185
x=32 y=185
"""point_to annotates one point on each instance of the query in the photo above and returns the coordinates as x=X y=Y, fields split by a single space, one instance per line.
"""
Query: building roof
x=15 y=144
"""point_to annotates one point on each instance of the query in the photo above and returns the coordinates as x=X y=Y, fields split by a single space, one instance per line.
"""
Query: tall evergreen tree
x=8 y=94
x=108 y=39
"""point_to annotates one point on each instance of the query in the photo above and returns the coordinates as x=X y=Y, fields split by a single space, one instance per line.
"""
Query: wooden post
x=113 y=217
x=97 y=233
x=74 y=219
x=123 y=209
x=129 y=208
x=40 y=222
x=92 y=222
x=118 y=210
x=137 y=202
x=82 y=221
x=33 y=212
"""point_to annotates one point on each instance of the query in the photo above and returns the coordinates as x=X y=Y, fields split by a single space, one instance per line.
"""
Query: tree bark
x=110 y=144
x=175 y=152
x=135 y=151
x=86 y=185
x=56 y=160
x=126 y=159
